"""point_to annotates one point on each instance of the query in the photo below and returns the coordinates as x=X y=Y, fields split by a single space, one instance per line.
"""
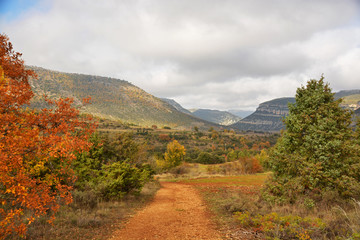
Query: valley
x=166 y=120
x=119 y=100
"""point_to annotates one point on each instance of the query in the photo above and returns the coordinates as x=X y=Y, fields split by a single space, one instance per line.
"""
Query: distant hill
x=350 y=99
x=215 y=116
x=111 y=99
x=345 y=93
x=267 y=117
x=240 y=113
x=176 y=105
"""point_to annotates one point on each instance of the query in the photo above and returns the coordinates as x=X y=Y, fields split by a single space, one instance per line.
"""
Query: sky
x=215 y=54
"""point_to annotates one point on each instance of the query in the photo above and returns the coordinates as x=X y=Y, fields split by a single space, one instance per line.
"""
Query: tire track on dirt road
x=176 y=212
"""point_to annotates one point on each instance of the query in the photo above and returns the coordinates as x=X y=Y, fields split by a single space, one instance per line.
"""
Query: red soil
x=177 y=212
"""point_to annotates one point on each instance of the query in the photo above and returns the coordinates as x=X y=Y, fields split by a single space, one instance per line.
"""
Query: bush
x=209 y=158
x=104 y=174
x=164 y=137
x=121 y=178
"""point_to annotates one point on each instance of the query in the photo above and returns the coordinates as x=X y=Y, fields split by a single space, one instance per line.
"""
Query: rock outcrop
x=267 y=117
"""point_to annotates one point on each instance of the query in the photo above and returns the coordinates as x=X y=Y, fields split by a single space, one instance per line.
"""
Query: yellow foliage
x=174 y=155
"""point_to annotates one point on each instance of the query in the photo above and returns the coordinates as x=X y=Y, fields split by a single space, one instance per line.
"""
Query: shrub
x=256 y=166
x=121 y=178
x=164 y=137
x=103 y=172
x=209 y=158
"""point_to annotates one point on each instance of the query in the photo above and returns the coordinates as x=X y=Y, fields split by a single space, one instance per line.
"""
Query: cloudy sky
x=217 y=54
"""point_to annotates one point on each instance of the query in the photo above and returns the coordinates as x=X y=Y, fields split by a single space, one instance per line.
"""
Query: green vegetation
x=317 y=154
x=112 y=168
x=313 y=190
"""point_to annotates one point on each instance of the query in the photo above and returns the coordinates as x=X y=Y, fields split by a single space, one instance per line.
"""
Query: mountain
x=215 y=116
x=176 y=105
x=240 y=113
x=110 y=99
x=267 y=117
x=345 y=93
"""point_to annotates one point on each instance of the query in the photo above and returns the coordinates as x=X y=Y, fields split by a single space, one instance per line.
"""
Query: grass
x=98 y=223
x=195 y=172
x=243 y=180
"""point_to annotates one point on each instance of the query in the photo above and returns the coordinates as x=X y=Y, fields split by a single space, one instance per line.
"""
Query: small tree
x=174 y=155
x=316 y=153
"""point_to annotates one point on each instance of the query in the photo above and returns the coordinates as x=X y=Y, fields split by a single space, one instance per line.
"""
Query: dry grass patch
x=91 y=223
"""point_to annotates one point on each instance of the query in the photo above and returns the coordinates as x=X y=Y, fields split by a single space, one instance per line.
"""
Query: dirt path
x=177 y=212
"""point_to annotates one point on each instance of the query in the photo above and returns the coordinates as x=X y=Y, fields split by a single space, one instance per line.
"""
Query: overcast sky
x=217 y=54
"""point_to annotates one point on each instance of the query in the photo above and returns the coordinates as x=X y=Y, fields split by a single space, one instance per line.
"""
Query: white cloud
x=203 y=53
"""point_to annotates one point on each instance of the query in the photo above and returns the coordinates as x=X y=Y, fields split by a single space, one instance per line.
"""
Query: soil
x=177 y=212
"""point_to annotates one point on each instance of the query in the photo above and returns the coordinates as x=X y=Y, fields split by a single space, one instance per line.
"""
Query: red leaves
x=36 y=148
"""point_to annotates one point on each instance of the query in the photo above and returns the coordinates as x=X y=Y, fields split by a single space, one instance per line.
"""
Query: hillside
x=111 y=99
x=176 y=105
x=345 y=93
x=267 y=117
x=215 y=116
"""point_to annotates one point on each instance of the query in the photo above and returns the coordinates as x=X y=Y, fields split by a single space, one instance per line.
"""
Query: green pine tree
x=316 y=154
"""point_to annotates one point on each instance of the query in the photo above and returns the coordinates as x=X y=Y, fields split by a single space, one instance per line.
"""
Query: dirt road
x=177 y=212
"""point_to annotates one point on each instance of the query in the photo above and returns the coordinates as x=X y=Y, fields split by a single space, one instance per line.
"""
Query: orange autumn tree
x=36 y=148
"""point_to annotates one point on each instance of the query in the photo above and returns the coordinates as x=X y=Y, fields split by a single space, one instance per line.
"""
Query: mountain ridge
x=269 y=115
x=112 y=98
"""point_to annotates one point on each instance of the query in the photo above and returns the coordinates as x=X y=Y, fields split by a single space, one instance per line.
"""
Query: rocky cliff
x=267 y=117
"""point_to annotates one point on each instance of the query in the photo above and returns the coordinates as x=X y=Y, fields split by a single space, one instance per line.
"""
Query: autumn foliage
x=174 y=155
x=36 y=148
